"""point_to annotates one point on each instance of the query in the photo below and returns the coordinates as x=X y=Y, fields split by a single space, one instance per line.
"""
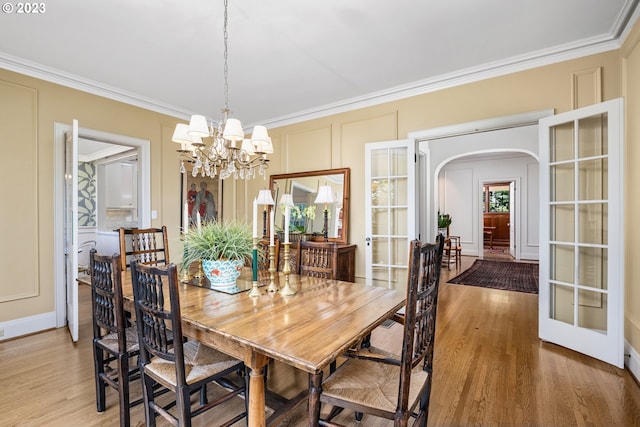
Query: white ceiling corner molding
x=585 y=47
x=52 y=75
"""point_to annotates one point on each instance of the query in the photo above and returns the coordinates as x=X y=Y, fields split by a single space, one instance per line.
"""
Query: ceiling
x=292 y=60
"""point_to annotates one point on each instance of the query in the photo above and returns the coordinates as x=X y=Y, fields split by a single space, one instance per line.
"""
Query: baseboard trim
x=632 y=361
x=27 y=325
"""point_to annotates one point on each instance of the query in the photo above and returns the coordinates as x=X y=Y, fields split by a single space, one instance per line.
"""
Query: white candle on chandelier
x=199 y=222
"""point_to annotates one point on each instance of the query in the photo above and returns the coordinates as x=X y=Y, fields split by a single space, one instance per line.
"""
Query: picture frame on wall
x=200 y=194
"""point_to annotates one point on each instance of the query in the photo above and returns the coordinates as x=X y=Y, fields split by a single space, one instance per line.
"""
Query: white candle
x=185 y=218
x=199 y=222
x=287 y=214
x=271 y=227
x=255 y=217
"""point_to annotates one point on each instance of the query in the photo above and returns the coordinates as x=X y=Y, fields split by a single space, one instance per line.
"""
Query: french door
x=71 y=228
x=581 y=304
x=390 y=199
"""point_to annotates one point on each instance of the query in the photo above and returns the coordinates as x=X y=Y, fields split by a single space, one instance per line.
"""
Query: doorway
x=141 y=147
x=498 y=229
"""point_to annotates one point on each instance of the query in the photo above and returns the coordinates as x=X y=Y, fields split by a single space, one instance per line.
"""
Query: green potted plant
x=223 y=248
x=444 y=221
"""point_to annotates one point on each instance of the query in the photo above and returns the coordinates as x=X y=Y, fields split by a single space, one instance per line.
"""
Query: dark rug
x=508 y=276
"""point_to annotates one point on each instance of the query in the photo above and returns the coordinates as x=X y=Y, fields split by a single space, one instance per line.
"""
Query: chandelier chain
x=226 y=55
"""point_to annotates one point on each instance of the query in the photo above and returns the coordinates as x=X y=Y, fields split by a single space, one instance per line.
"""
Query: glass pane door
x=390 y=222
x=581 y=261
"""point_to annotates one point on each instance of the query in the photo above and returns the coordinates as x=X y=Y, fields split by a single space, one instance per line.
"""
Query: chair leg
x=183 y=403
x=147 y=389
x=98 y=360
x=123 y=389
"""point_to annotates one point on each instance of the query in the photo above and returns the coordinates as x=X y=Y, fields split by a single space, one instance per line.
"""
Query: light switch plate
x=154 y=214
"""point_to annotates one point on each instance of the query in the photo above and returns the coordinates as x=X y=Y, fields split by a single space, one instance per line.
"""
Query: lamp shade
x=265 y=198
x=287 y=200
x=247 y=146
x=259 y=134
x=181 y=134
x=198 y=126
x=233 y=130
x=263 y=147
x=325 y=195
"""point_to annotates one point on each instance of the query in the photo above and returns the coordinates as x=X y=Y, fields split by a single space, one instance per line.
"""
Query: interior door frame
x=437 y=151
x=144 y=161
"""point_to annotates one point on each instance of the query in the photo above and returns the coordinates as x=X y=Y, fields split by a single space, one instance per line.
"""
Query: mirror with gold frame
x=303 y=186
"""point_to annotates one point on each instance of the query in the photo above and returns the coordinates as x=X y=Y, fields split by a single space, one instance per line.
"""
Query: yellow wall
x=329 y=142
x=631 y=84
x=28 y=109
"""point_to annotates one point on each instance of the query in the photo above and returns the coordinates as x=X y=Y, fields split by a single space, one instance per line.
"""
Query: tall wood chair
x=165 y=357
x=294 y=257
x=452 y=252
x=146 y=245
x=263 y=253
x=382 y=384
x=114 y=341
x=317 y=259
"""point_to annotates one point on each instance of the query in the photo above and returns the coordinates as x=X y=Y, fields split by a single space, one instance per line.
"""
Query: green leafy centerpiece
x=223 y=248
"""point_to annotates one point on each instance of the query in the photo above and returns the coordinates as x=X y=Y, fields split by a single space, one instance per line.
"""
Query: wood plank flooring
x=491 y=370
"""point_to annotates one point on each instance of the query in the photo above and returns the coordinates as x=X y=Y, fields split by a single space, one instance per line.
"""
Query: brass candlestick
x=185 y=276
x=255 y=292
x=272 y=269
x=286 y=269
x=200 y=273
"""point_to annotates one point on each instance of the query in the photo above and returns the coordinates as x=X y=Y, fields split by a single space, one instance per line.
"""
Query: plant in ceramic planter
x=223 y=248
x=444 y=221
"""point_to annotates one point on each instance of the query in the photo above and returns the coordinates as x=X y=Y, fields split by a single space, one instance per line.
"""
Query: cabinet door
x=120 y=185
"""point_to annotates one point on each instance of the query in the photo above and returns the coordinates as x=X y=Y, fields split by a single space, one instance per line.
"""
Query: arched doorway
x=504 y=136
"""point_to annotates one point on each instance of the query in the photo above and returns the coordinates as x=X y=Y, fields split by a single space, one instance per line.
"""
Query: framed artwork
x=200 y=194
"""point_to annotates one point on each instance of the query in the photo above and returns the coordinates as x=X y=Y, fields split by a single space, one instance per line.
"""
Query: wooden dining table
x=307 y=330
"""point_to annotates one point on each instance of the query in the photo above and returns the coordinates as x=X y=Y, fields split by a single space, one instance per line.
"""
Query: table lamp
x=265 y=198
x=325 y=195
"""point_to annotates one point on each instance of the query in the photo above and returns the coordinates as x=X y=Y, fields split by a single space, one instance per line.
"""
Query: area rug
x=508 y=276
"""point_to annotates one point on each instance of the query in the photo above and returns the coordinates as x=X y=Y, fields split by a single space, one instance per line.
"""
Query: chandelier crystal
x=226 y=152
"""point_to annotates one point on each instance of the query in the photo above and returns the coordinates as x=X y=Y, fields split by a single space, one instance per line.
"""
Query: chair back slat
x=294 y=257
x=106 y=297
x=420 y=313
x=146 y=245
x=158 y=317
x=317 y=259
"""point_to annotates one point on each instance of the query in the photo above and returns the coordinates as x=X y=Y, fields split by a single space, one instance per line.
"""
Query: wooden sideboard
x=328 y=260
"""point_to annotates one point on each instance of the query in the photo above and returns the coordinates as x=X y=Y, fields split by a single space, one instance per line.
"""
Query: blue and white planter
x=222 y=274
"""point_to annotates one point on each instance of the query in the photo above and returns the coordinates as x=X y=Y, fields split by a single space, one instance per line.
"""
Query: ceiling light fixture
x=228 y=153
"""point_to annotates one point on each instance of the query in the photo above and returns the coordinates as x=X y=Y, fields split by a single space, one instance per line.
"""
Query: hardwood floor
x=491 y=370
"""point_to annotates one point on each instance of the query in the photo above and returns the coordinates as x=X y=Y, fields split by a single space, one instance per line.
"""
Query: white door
x=512 y=219
x=581 y=303
x=390 y=209
x=71 y=228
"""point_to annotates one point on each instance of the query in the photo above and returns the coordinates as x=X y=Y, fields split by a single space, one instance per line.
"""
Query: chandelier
x=226 y=152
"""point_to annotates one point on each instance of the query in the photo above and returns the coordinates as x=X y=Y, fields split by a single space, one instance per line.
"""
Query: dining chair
x=114 y=340
x=453 y=251
x=317 y=259
x=294 y=257
x=263 y=253
x=381 y=383
x=146 y=245
x=166 y=358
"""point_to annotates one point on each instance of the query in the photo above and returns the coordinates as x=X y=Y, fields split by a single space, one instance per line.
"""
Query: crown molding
x=52 y=75
x=590 y=46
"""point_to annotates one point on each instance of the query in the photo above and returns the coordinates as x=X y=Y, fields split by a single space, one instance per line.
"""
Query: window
x=498 y=197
